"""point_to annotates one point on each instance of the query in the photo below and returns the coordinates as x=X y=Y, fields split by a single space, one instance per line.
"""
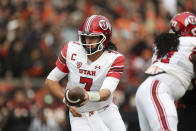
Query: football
x=74 y=96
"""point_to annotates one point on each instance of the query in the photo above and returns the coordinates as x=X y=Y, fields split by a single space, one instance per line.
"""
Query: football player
x=93 y=64
x=173 y=67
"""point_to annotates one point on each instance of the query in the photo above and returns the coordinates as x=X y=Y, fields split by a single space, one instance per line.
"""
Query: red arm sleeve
x=117 y=68
x=61 y=61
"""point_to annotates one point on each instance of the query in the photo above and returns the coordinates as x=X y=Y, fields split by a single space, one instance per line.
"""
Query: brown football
x=74 y=96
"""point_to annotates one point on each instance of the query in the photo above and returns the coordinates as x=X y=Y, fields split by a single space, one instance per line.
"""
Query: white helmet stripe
x=88 y=23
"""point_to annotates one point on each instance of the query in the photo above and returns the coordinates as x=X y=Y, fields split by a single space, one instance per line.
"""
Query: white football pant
x=155 y=103
x=107 y=119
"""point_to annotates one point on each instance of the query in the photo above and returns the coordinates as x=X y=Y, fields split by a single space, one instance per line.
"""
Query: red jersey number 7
x=87 y=81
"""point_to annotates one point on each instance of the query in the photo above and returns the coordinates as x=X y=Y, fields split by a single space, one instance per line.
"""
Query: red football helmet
x=95 y=25
x=184 y=24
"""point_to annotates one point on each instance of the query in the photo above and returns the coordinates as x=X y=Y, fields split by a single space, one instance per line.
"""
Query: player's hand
x=74 y=111
x=86 y=98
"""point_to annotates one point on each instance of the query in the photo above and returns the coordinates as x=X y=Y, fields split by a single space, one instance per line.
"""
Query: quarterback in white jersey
x=91 y=63
x=173 y=67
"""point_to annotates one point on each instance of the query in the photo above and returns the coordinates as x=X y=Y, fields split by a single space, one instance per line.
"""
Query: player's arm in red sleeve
x=57 y=74
x=61 y=62
x=111 y=81
x=117 y=68
x=112 y=78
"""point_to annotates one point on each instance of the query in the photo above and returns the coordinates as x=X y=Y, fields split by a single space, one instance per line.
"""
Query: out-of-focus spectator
x=42 y=123
x=128 y=111
x=139 y=60
x=3 y=111
x=19 y=116
x=16 y=59
x=171 y=6
x=36 y=63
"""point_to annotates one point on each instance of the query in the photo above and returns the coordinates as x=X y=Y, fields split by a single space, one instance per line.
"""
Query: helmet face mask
x=89 y=47
x=184 y=24
x=95 y=25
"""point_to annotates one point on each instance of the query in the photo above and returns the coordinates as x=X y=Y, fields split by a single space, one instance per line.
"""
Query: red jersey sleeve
x=61 y=61
x=117 y=68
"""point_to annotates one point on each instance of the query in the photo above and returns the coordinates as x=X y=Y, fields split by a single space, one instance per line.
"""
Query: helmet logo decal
x=190 y=19
x=103 y=24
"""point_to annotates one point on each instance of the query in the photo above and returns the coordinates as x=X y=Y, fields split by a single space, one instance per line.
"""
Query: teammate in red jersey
x=93 y=64
x=173 y=67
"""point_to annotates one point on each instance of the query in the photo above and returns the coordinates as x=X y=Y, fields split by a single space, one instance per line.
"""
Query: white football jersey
x=89 y=75
x=177 y=63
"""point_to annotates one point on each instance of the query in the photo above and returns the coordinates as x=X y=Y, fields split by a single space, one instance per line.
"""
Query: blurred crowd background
x=32 y=33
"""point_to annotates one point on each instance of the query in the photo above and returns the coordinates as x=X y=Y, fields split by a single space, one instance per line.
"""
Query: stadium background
x=32 y=32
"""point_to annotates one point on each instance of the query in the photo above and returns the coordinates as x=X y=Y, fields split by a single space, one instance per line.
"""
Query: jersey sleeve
x=61 y=61
x=117 y=68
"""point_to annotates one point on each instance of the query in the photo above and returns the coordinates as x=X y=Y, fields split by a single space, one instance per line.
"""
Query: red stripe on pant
x=158 y=105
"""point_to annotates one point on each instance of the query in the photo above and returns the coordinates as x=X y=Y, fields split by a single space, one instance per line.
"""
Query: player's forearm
x=104 y=94
x=55 y=88
x=108 y=87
